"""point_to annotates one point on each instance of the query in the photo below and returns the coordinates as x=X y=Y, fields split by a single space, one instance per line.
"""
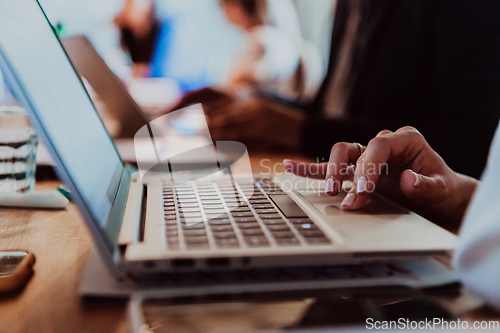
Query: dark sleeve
x=320 y=134
x=466 y=81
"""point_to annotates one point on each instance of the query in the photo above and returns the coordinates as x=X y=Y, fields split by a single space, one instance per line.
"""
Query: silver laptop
x=112 y=92
x=161 y=221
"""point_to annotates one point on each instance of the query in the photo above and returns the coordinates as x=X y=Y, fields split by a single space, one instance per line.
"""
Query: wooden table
x=61 y=243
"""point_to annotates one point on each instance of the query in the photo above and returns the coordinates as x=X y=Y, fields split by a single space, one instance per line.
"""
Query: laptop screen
x=54 y=92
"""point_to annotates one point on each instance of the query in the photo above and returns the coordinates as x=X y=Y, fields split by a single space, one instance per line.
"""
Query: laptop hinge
x=130 y=232
x=144 y=205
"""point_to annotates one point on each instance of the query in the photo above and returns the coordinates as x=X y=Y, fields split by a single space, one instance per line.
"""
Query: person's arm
x=466 y=82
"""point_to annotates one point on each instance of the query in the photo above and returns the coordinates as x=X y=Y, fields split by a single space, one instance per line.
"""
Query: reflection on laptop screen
x=62 y=106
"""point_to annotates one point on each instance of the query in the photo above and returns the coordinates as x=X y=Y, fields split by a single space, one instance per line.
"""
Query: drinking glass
x=18 y=145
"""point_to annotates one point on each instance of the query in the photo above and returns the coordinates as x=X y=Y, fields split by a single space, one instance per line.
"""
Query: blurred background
x=197 y=43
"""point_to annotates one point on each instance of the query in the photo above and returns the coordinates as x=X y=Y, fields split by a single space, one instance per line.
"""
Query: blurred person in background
x=273 y=57
x=270 y=58
x=426 y=64
x=138 y=28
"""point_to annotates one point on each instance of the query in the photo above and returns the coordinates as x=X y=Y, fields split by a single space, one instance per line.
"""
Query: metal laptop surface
x=180 y=221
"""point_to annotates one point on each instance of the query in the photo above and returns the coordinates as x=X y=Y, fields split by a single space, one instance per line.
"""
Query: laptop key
x=173 y=240
x=227 y=243
x=278 y=227
x=270 y=222
x=311 y=233
x=240 y=209
x=191 y=215
x=266 y=211
x=263 y=206
x=189 y=205
x=211 y=202
x=301 y=220
x=209 y=197
x=306 y=226
x=219 y=221
x=235 y=204
x=257 y=197
x=257 y=241
x=242 y=214
x=170 y=217
x=287 y=241
x=260 y=201
x=217 y=216
x=269 y=216
x=193 y=226
x=283 y=234
x=185 y=201
x=215 y=211
x=224 y=234
x=196 y=232
x=219 y=206
x=219 y=228
x=245 y=219
x=196 y=240
x=250 y=225
x=189 y=210
x=252 y=232
x=183 y=197
x=230 y=194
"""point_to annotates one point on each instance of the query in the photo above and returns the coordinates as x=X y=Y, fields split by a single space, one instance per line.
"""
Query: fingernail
x=329 y=185
x=361 y=187
x=417 y=181
x=349 y=200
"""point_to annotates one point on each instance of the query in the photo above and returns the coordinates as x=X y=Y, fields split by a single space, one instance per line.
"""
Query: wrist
x=463 y=191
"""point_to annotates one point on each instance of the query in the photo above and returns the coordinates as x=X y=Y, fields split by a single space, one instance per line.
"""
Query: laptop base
x=97 y=281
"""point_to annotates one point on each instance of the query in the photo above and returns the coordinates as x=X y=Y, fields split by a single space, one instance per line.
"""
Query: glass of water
x=18 y=144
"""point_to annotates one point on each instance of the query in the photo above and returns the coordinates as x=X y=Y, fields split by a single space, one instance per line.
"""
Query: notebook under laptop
x=167 y=221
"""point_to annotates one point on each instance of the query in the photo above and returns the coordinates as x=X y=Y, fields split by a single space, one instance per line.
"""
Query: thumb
x=419 y=187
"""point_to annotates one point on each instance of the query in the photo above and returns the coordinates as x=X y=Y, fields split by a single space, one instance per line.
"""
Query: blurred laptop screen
x=55 y=93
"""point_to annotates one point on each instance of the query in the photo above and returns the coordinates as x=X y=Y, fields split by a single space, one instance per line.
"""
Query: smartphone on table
x=16 y=268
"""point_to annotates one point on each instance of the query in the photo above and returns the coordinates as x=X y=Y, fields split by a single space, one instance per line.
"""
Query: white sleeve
x=477 y=257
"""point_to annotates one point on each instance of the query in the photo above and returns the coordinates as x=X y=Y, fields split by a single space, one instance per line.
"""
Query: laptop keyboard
x=219 y=215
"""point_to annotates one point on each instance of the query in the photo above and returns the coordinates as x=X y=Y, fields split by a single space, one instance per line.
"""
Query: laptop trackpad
x=329 y=206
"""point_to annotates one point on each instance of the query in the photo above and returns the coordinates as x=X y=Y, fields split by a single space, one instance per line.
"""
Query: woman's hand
x=210 y=98
x=252 y=121
x=400 y=165
x=257 y=122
